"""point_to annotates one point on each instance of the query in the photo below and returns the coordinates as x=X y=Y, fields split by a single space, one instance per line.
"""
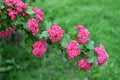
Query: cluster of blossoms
x=73 y=49
x=56 y=33
x=33 y=26
x=17 y=3
x=39 y=14
x=84 y=64
x=102 y=55
x=40 y=47
x=83 y=36
x=10 y=31
x=12 y=11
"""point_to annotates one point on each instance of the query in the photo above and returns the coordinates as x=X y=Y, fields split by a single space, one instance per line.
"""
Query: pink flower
x=83 y=36
x=40 y=47
x=20 y=7
x=18 y=3
x=10 y=2
x=102 y=55
x=56 y=33
x=39 y=14
x=84 y=64
x=73 y=50
x=12 y=13
x=6 y=34
x=33 y=26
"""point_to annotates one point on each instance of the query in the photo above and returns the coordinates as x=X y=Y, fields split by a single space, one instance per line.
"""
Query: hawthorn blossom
x=12 y=13
x=6 y=34
x=40 y=47
x=18 y=3
x=39 y=14
x=73 y=49
x=102 y=55
x=84 y=64
x=33 y=27
x=20 y=8
x=83 y=36
x=56 y=33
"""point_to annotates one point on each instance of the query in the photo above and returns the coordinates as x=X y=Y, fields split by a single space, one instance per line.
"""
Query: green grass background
x=101 y=17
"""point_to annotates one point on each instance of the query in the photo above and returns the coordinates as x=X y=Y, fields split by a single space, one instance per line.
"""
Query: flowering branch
x=20 y=14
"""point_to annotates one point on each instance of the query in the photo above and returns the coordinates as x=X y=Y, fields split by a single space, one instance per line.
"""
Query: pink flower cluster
x=21 y=6
x=39 y=14
x=33 y=26
x=18 y=3
x=83 y=36
x=73 y=49
x=40 y=47
x=102 y=55
x=12 y=13
x=56 y=33
x=10 y=31
x=84 y=64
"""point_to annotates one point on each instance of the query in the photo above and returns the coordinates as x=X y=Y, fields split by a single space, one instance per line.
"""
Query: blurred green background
x=101 y=17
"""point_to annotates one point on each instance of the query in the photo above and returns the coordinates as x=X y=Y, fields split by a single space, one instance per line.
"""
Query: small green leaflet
x=44 y=35
x=65 y=40
x=30 y=10
x=90 y=45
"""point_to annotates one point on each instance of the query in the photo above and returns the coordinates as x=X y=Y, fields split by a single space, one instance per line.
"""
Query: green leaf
x=0 y=59
x=5 y=69
x=82 y=73
x=91 y=59
x=65 y=40
x=28 y=44
x=57 y=48
x=43 y=35
x=3 y=16
x=1 y=5
x=10 y=61
x=95 y=60
x=90 y=45
x=47 y=24
x=30 y=10
x=65 y=57
x=22 y=67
